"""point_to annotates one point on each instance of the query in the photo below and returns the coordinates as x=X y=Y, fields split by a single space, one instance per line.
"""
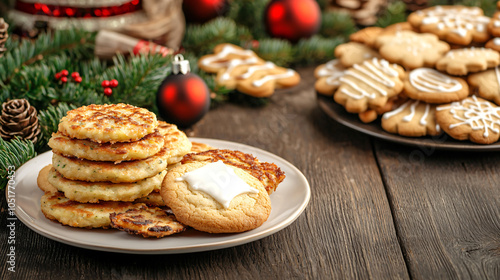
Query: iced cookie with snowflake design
x=432 y=86
x=224 y=56
x=494 y=25
x=464 y=61
x=456 y=24
x=473 y=118
x=328 y=77
x=486 y=84
x=369 y=85
x=413 y=118
x=354 y=53
x=411 y=49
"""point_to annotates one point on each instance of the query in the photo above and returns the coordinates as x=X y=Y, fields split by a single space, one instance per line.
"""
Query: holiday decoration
x=20 y=119
x=160 y=20
x=364 y=12
x=292 y=19
x=3 y=36
x=109 y=43
x=183 y=98
x=108 y=85
x=200 y=11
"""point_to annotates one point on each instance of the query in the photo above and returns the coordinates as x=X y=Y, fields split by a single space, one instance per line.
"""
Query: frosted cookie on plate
x=369 y=85
x=473 y=119
x=269 y=174
x=486 y=84
x=432 y=86
x=108 y=123
x=354 y=53
x=328 y=77
x=461 y=62
x=413 y=119
x=216 y=198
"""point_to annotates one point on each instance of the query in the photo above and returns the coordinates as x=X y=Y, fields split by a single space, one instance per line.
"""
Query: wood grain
x=447 y=210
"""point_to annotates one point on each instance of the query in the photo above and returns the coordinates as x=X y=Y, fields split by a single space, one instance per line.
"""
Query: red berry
x=74 y=75
x=64 y=79
x=78 y=79
x=105 y=83
x=113 y=83
x=64 y=73
x=108 y=91
x=58 y=76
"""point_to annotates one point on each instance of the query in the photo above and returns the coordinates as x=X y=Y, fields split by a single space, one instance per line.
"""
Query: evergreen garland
x=14 y=153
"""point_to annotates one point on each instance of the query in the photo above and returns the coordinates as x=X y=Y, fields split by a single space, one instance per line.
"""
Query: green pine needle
x=13 y=154
x=49 y=121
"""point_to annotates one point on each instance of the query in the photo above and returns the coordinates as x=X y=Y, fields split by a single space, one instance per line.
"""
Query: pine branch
x=241 y=10
x=76 y=43
x=311 y=51
x=395 y=12
x=201 y=39
x=138 y=79
x=276 y=50
x=14 y=153
x=49 y=121
x=334 y=24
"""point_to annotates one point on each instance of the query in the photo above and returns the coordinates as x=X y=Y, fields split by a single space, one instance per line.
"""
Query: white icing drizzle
x=496 y=41
x=478 y=115
x=458 y=20
x=430 y=80
x=377 y=70
x=333 y=70
x=217 y=180
x=413 y=107
x=226 y=75
x=252 y=69
x=258 y=83
x=218 y=60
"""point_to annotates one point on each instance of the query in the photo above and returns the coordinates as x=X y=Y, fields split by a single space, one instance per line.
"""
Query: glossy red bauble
x=183 y=99
x=292 y=19
x=200 y=11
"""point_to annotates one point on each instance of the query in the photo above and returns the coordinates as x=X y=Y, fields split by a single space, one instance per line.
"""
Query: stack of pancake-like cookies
x=109 y=170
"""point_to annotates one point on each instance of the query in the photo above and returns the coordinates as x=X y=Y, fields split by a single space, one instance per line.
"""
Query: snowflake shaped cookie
x=463 y=61
x=473 y=118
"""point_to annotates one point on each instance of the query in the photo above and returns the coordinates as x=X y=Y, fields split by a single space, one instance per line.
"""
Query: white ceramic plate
x=288 y=202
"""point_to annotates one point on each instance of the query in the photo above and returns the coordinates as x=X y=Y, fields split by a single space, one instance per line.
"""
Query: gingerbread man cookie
x=369 y=85
x=413 y=119
x=473 y=118
x=410 y=49
x=432 y=86
x=328 y=76
x=463 y=61
x=454 y=24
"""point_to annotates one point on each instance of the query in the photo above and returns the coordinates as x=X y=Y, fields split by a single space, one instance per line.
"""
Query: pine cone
x=3 y=36
x=19 y=119
x=363 y=12
x=415 y=5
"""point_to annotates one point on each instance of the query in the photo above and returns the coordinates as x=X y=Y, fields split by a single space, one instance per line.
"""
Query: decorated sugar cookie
x=369 y=85
x=328 y=76
x=414 y=118
x=366 y=35
x=432 y=86
x=354 y=53
x=494 y=25
x=473 y=118
x=463 y=61
x=454 y=24
x=243 y=70
x=262 y=80
x=411 y=49
x=487 y=84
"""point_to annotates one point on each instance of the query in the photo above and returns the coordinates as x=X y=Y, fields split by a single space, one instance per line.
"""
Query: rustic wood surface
x=378 y=210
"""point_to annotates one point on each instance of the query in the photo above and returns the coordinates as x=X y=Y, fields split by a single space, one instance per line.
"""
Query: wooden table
x=376 y=211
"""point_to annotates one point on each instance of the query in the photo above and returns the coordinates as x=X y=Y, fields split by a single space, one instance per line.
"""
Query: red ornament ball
x=200 y=11
x=183 y=99
x=292 y=19
x=113 y=83
x=108 y=91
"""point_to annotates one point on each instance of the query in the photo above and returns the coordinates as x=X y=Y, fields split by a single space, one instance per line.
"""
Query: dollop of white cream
x=217 y=180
